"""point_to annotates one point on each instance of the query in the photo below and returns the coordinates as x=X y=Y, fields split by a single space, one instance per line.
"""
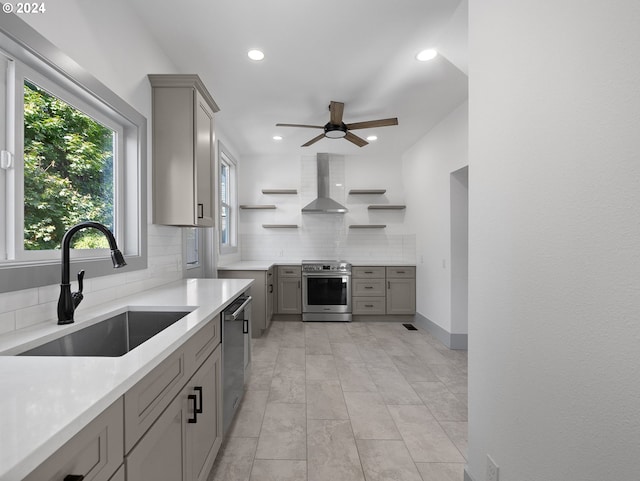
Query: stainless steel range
x=326 y=291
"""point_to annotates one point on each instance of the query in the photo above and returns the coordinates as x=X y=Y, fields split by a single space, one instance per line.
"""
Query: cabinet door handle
x=270 y=288
x=200 y=211
x=198 y=389
x=298 y=284
x=388 y=284
x=245 y=326
x=74 y=477
x=194 y=419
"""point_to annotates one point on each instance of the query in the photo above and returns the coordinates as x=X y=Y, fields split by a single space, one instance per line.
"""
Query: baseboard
x=452 y=341
x=467 y=476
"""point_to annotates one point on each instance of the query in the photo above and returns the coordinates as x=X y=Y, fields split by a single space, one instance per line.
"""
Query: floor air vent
x=410 y=327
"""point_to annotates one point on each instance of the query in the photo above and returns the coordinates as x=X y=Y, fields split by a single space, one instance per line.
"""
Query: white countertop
x=265 y=265
x=45 y=401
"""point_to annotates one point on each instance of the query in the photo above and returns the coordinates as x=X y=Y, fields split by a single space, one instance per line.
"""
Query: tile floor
x=364 y=401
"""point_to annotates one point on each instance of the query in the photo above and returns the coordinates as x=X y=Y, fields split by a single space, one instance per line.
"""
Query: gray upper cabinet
x=183 y=151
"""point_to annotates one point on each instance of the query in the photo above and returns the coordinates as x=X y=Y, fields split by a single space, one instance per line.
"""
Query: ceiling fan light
x=427 y=55
x=277 y=137
x=335 y=134
x=255 y=54
x=371 y=138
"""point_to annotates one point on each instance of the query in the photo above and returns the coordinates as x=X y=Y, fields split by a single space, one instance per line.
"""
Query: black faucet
x=68 y=301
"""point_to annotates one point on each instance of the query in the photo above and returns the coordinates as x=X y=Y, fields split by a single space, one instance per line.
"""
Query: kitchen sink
x=112 y=337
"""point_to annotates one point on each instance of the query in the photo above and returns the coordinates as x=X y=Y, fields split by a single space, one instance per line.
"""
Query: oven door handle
x=324 y=274
x=237 y=312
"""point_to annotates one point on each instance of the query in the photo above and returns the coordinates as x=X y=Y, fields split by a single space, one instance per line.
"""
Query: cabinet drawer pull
x=198 y=389
x=368 y=287
x=368 y=305
x=74 y=477
x=368 y=272
x=200 y=211
x=194 y=419
x=399 y=272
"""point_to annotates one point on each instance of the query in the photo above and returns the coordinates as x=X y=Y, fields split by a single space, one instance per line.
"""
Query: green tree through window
x=68 y=172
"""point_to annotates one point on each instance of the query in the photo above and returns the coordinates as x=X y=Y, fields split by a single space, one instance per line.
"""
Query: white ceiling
x=360 y=52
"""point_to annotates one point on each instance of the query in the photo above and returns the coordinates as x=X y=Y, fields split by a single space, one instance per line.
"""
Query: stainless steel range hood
x=324 y=204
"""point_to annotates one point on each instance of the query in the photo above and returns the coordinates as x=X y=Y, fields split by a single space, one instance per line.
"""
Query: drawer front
x=95 y=452
x=368 y=287
x=363 y=272
x=401 y=272
x=368 y=305
x=145 y=401
x=198 y=348
x=289 y=271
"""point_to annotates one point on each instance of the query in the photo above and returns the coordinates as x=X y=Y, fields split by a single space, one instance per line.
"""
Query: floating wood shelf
x=367 y=191
x=279 y=191
x=265 y=206
x=387 y=207
x=367 y=226
x=280 y=226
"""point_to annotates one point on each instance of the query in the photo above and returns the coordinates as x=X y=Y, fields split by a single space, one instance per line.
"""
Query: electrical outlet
x=492 y=469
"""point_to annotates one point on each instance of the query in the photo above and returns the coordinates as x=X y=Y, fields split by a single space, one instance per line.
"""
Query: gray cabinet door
x=289 y=295
x=204 y=161
x=269 y=293
x=162 y=451
x=401 y=296
x=205 y=435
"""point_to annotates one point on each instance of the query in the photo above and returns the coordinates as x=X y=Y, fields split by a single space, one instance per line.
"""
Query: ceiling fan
x=337 y=129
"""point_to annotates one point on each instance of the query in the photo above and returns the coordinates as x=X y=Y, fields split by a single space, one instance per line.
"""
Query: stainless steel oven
x=326 y=291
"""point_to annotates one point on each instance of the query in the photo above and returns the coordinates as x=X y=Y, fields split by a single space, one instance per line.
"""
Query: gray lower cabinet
x=401 y=290
x=94 y=453
x=289 y=290
x=262 y=292
x=380 y=290
x=183 y=442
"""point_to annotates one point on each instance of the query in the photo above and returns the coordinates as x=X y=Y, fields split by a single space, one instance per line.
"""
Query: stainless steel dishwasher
x=236 y=355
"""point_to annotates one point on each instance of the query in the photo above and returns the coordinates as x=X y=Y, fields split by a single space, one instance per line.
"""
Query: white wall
x=426 y=173
x=108 y=41
x=554 y=274
x=325 y=236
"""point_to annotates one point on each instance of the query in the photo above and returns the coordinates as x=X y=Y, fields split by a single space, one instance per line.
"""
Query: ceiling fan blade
x=336 y=109
x=360 y=142
x=373 y=123
x=301 y=125
x=313 y=141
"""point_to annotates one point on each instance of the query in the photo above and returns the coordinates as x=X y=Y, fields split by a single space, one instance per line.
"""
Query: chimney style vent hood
x=324 y=204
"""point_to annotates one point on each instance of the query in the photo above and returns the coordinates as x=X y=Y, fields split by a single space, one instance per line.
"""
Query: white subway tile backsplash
x=7 y=322
x=11 y=301
x=36 y=314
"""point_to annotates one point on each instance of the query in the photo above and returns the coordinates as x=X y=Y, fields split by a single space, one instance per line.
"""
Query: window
x=192 y=247
x=71 y=151
x=68 y=173
x=228 y=212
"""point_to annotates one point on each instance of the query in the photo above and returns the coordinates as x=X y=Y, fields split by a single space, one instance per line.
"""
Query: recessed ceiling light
x=255 y=54
x=372 y=138
x=426 y=55
x=277 y=137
